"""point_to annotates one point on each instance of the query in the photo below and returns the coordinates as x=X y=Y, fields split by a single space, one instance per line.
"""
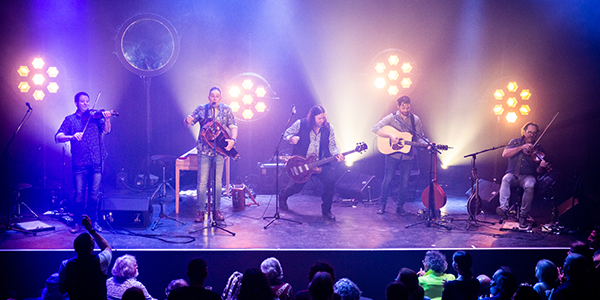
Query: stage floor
x=357 y=227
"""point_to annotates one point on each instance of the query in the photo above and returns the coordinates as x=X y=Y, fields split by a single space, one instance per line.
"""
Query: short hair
x=347 y=289
x=79 y=95
x=546 y=271
x=213 y=89
x=396 y=291
x=83 y=244
x=575 y=266
x=403 y=99
x=272 y=268
x=484 y=284
x=197 y=269
x=463 y=260
x=435 y=261
x=175 y=284
x=125 y=267
x=321 y=286
x=524 y=128
x=320 y=266
x=133 y=293
x=409 y=278
x=509 y=282
x=255 y=286
x=313 y=113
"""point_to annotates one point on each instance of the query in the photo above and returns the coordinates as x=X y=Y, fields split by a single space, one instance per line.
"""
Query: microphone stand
x=8 y=225
x=213 y=182
x=277 y=216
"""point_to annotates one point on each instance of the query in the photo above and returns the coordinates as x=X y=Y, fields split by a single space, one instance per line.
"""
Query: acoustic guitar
x=300 y=169
x=404 y=144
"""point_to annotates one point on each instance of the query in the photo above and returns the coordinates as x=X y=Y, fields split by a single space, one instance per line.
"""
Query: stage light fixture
x=23 y=71
x=348 y=163
x=250 y=96
x=38 y=79
x=392 y=63
x=38 y=95
x=37 y=63
x=24 y=87
x=511 y=100
x=53 y=87
x=52 y=72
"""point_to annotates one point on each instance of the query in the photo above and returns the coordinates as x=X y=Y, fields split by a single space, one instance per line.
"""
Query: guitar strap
x=412 y=121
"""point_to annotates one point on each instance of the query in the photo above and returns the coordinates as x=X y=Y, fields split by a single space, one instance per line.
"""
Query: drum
x=238 y=199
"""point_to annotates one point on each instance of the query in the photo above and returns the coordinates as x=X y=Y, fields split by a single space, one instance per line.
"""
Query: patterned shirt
x=315 y=138
x=204 y=114
x=116 y=288
x=90 y=150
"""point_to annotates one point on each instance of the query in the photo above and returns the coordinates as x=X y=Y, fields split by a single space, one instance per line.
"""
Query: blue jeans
x=204 y=164
x=391 y=165
x=87 y=182
x=326 y=177
x=527 y=182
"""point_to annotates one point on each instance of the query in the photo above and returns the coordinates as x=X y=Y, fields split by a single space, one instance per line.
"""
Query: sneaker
x=219 y=216
x=328 y=216
x=199 y=217
x=75 y=229
x=501 y=212
x=523 y=222
x=97 y=227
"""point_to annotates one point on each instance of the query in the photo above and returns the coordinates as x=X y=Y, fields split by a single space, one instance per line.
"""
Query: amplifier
x=126 y=212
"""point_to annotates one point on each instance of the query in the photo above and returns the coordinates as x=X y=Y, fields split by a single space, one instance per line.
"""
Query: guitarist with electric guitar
x=314 y=138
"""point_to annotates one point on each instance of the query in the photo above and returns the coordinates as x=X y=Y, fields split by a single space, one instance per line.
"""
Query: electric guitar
x=385 y=145
x=300 y=169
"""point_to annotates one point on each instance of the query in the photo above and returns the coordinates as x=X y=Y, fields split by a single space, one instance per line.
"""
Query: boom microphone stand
x=213 y=181
x=277 y=216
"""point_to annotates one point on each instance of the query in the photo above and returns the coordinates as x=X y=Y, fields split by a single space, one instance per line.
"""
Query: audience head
x=526 y=292
x=594 y=239
x=462 y=262
x=255 y=286
x=409 y=278
x=347 y=289
x=504 y=282
x=436 y=261
x=50 y=291
x=321 y=286
x=125 y=267
x=133 y=293
x=575 y=266
x=197 y=270
x=84 y=244
x=484 y=284
x=546 y=271
x=175 y=284
x=272 y=269
x=396 y=291
x=320 y=266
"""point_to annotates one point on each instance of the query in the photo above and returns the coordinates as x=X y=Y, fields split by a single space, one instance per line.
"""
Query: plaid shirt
x=204 y=114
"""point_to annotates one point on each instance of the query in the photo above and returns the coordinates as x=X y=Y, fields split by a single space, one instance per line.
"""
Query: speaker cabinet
x=126 y=212
x=489 y=192
x=266 y=184
x=355 y=186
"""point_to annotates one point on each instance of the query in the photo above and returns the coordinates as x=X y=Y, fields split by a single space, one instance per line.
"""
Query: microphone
x=293 y=109
x=28 y=105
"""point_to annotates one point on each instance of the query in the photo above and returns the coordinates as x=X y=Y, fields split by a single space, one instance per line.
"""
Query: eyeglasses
x=532 y=132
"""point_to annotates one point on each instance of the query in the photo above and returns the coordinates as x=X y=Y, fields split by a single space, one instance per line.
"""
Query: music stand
x=277 y=216
x=213 y=181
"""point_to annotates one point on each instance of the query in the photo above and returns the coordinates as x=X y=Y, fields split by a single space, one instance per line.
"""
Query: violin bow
x=93 y=107
x=547 y=126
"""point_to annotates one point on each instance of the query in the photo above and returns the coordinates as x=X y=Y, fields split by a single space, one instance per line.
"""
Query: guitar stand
x=161 y=216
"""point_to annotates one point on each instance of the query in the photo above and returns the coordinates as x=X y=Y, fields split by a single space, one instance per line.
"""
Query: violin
x=538 y=156
x=97 y=113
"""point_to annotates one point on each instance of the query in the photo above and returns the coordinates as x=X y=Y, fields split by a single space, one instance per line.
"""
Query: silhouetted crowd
x=85 y=277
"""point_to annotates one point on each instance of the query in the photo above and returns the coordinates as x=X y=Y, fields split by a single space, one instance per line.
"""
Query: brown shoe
x=199 y=217
x=219 y=216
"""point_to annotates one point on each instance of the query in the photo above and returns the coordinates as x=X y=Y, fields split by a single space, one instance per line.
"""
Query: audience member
x=546 y=273
x=484 y=285
x=433 y=278
x=410 y=279
x=125 y=273
x=526 y=292
x=133 y=293
x=396 y=291
x=319 y=266
x=197 y=273
x=503 y=284
x=84 y=276
x=50 y=291
x=274 y=272
x=255 y=286
x=576 y=272
x=594 y=240
x=232 y=288
x=321 y=286
x=175 y=284
x=465 y=286
x=348 y=290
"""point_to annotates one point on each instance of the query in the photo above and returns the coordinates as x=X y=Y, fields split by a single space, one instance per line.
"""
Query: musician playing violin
x=85 y=132
x=206 y=154
x=523 y=168
x=313 y=135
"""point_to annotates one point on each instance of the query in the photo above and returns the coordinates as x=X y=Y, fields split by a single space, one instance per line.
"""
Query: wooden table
x=189 y=162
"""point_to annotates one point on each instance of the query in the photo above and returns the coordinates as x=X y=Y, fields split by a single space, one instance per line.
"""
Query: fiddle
x=98 y=113
x=537 y=155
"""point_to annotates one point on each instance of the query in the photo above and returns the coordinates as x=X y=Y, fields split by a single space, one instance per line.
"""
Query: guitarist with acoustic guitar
x=395 y=128
x=205 y=115
x=313 y=136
